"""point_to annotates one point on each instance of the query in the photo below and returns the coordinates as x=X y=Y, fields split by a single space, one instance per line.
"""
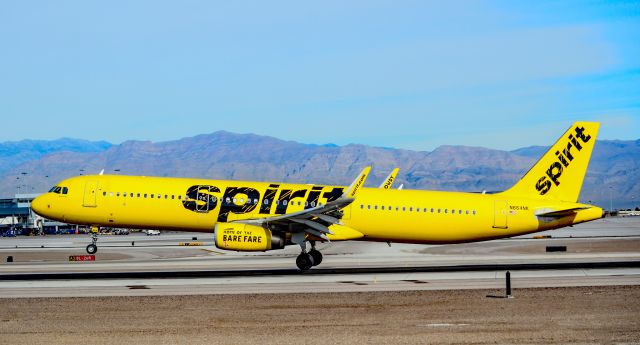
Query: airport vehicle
x=153 y=233
x=262 y=216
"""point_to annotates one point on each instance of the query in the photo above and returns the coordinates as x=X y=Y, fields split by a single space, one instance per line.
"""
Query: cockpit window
x=58 y=190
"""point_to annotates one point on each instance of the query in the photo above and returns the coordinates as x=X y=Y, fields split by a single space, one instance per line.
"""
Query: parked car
x=153 y=232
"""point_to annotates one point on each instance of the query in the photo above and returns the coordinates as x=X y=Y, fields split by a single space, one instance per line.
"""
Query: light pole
x=610 y=199
x=24 y=179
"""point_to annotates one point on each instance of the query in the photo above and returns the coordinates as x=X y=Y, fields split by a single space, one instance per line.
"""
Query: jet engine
x=247 y=238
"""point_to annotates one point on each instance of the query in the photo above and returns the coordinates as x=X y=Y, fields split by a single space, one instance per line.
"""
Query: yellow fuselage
x=377 y=214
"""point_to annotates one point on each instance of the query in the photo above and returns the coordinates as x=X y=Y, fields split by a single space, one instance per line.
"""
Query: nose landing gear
x=93 y=248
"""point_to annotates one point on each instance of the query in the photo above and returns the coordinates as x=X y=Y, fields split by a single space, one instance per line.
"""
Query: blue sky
x=407 y=74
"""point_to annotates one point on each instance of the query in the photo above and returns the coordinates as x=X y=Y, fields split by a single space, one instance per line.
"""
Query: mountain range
x=33 y=166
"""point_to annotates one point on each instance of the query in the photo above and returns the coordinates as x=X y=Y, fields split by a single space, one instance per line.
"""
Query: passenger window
x=145 y=195
x=404 y=209
x=124 y=195
x=151 y=195
x=166 y=196
x=466 y=212
x=65 y=190
x=459 y=211
x=104 y=193
x=474 y=212
x=410 y=209
x=417 y=209
x=446 y=211
x=138 y=195
x=438 y=210
x=432 y=210
x=382 y=207
x=361 y=206
x=118 y=194
x=131 y=195
x=397 y=208
x=424 y=210
x=375 y=207
x=110 y=193
x=159 y=196
x=180 y=197
x=266 y=201
x=284 y=202
x=368 y=207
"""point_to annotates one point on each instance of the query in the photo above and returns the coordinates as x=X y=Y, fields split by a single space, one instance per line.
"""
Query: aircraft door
x=202 y=205
x=500 y=213
x=346 y=213
x=90 y=191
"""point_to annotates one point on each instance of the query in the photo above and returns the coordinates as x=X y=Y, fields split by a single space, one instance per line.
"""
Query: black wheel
x=92 y=248
x=304 y=261
x=316 y=256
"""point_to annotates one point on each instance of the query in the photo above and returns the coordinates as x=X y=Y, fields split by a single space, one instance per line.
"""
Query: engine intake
x=246 y=238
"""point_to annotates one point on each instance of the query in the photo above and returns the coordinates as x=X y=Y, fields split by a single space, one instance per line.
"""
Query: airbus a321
x=263 y=216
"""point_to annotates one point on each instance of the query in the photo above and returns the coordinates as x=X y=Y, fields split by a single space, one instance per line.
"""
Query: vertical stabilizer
x=559 y=174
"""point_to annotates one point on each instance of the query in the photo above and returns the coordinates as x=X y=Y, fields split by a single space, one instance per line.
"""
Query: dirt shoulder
x=535 y=316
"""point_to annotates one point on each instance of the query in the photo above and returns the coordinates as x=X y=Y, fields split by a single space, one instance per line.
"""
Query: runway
x=601 y=253
x=153 y=291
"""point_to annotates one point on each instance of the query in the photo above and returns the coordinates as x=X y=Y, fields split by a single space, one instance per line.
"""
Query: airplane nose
x=39 y=205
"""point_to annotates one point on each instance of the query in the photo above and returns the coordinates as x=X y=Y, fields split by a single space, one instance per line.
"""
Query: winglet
x=357 y=184
x=386 y=184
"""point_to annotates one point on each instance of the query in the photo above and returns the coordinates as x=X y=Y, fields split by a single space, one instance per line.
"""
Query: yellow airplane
x=259 y=216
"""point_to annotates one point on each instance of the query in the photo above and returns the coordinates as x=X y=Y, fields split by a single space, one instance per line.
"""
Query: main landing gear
x=306 y=260
x=93 y=248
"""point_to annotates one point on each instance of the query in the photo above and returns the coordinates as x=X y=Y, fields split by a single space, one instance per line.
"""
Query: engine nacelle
x=246 y=238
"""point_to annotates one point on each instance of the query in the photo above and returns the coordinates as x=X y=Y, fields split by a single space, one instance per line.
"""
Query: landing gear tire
x=316 y=256
x=304 y=261
x=92 y=248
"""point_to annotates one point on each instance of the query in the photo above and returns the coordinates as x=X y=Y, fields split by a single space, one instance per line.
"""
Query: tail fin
x=558 y=175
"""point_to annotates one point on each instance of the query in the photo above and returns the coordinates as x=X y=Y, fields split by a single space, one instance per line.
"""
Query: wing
x=314 y=221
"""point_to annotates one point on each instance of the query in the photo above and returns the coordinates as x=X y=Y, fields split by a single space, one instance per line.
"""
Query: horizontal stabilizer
x=547 y=212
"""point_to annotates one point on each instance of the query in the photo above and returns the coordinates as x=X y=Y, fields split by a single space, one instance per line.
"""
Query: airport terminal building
x=17 y=218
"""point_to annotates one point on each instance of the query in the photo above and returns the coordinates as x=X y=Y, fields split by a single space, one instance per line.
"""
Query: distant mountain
x=14 y=153
x=613 y=174
x=614 y=169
